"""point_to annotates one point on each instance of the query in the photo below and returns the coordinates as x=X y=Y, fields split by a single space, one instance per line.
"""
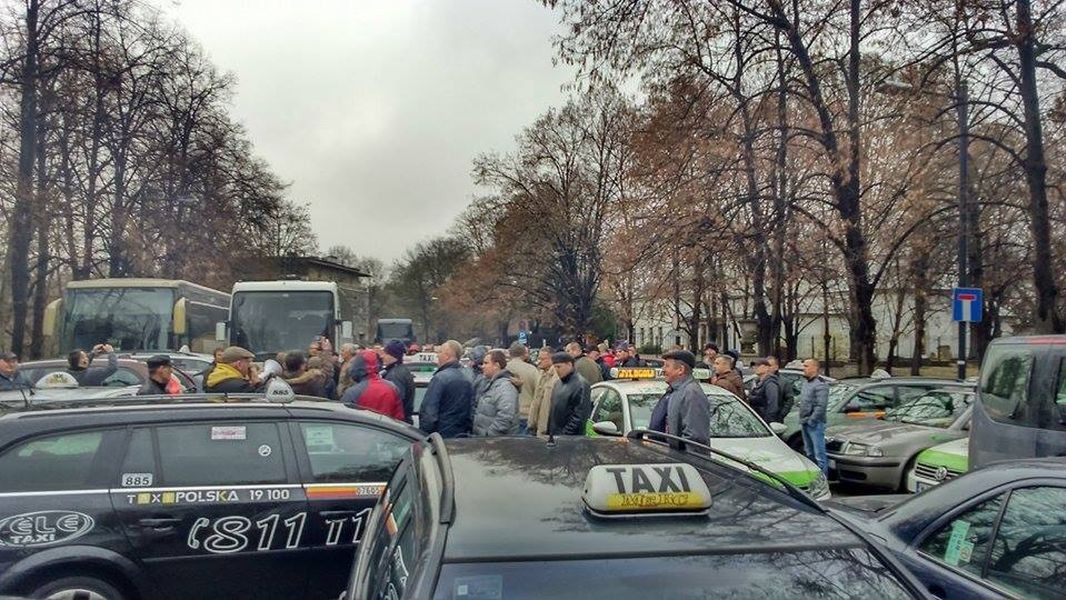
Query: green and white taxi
x=939 y=464
x=623 y=404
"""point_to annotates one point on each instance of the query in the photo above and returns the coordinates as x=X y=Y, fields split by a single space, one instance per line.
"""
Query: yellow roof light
x=634 y=373
x=646 y=490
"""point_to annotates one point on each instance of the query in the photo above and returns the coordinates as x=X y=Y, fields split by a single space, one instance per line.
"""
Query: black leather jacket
x=571 y=406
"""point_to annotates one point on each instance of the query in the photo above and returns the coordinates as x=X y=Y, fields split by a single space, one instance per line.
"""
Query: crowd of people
x=487 y=392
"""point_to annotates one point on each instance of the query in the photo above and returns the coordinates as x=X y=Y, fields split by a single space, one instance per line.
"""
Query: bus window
x=1005 y=385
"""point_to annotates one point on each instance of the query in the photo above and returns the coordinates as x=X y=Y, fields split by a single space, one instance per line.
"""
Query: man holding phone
x=79 y=365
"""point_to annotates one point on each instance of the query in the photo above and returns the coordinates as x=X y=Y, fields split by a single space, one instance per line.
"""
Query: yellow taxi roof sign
x=634 y=373
x=616 y=491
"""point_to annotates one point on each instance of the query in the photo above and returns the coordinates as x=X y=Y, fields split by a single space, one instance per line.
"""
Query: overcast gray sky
x=375 y=109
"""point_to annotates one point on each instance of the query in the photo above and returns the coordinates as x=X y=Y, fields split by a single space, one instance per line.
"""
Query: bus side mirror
x=220 y=331
x=51 y=315
x=346 y=330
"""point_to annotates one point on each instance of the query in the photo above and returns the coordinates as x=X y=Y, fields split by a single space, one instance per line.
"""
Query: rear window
x=1005 y=384
x=853 y=573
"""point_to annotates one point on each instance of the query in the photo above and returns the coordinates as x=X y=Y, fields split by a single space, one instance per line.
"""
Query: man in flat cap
x=159 y=370
x=571 y=402
x=684 y=409
x=234 y=374
x=10 y=377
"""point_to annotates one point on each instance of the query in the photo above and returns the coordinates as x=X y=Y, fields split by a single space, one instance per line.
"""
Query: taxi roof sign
x=616 y=491
x=634 y=373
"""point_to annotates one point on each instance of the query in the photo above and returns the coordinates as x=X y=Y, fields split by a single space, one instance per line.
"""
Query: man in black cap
x=684 y=409
x=765 y=397
x=400 y=376
x=159 y=370
x=571 y=398
x=10 y=377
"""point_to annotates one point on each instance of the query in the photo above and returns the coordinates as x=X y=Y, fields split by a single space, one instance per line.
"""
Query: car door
x=344 y=467
x=1011 y=544
x=53 y=492
x=214 y=509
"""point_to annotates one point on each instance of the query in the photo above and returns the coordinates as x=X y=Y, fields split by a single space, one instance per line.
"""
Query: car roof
x=939 y=382
x=141 y=409
x=655 y=386
x=533 y=491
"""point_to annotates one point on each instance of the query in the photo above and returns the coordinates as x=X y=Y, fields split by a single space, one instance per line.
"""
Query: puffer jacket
x=370 y=391
x=497 y=408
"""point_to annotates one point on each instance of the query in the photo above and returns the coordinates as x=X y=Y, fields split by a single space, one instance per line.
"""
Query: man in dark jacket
x=765 y=397
x=684 y=409
x=369 y=391
x=159 y=370
x=449 y=401
x=235 y=374
x=79 y=361
x=10 y=377
x=571 y=398
x=400 y=376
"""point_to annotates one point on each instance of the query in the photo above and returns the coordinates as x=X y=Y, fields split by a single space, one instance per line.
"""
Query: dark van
x=1021 y=401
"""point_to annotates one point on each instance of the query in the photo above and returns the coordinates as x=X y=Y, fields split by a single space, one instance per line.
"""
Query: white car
x=620 y=406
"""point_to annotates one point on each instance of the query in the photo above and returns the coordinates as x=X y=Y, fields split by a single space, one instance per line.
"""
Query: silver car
x=880 y=452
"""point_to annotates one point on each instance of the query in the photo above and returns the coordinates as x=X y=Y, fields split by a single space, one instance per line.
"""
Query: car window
x=910 y=392
x=935 y=409
x=1029 y=554
x=420 y=394
x=1005 y=385
x=395 y=544
x=228 y=453
x=121 y=378
x=1058 y=419
x=964 y=542
x=730 y=417
x=609 y=408
x=342 y=452
x=55 y=462
x=872 y=399
x=818 y=574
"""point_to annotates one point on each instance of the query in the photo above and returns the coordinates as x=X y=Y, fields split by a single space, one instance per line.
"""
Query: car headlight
x=875 y=451
x=819 y=489
x=856 y=449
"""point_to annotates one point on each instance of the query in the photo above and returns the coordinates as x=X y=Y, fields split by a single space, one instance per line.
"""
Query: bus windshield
x=126 y=318
x=269 y=322
x=396 y=330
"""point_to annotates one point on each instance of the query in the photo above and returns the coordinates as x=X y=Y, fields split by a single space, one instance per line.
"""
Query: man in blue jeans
x=814 y=397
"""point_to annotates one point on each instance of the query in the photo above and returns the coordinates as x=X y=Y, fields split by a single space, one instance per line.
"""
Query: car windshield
x=126 y=318
x=279 y=321
x=730 y=418
x=839 y=393
x=937 y=408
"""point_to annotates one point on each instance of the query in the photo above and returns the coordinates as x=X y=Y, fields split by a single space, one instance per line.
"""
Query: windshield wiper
x=790 y=488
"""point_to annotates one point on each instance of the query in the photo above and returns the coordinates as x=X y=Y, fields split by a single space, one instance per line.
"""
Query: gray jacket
x=688 y=412
x=497 y=407
x=814 y=398
x=17 y=381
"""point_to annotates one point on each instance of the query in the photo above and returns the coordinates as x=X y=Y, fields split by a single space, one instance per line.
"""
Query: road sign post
x=967 y=306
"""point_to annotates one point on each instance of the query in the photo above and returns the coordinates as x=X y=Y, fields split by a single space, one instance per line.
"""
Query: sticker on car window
x=265 y=451
x=319 y=435
x=959 y=531
x=480 y=587
x=229 y=432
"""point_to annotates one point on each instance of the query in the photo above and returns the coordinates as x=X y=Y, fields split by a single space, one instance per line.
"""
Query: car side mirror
x=220 y=331
x=779 y=429
x=606 y=428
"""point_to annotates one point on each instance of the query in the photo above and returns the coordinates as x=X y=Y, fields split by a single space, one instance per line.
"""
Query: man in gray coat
x=497 y=407
x=684 y=410
x=814 y=398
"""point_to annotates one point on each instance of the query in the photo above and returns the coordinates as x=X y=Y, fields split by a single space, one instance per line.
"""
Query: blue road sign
x=522 y=337
x=967 y=305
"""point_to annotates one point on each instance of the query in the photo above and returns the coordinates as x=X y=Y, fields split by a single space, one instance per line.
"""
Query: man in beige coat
x=541 y=406
x=527 y=376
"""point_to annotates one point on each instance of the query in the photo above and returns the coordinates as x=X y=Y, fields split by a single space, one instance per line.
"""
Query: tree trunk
x=1047 y=318
x=42 y=220
x=921 y=289
x=21 y=230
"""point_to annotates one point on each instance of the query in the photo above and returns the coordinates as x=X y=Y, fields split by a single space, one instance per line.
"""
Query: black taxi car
x=189 y=497
x=605 y=518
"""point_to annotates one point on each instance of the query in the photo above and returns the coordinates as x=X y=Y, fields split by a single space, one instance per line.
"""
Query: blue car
x=995 y=532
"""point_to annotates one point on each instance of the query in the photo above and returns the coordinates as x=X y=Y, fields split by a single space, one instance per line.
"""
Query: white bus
x=135 y=315
x=267 y=317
